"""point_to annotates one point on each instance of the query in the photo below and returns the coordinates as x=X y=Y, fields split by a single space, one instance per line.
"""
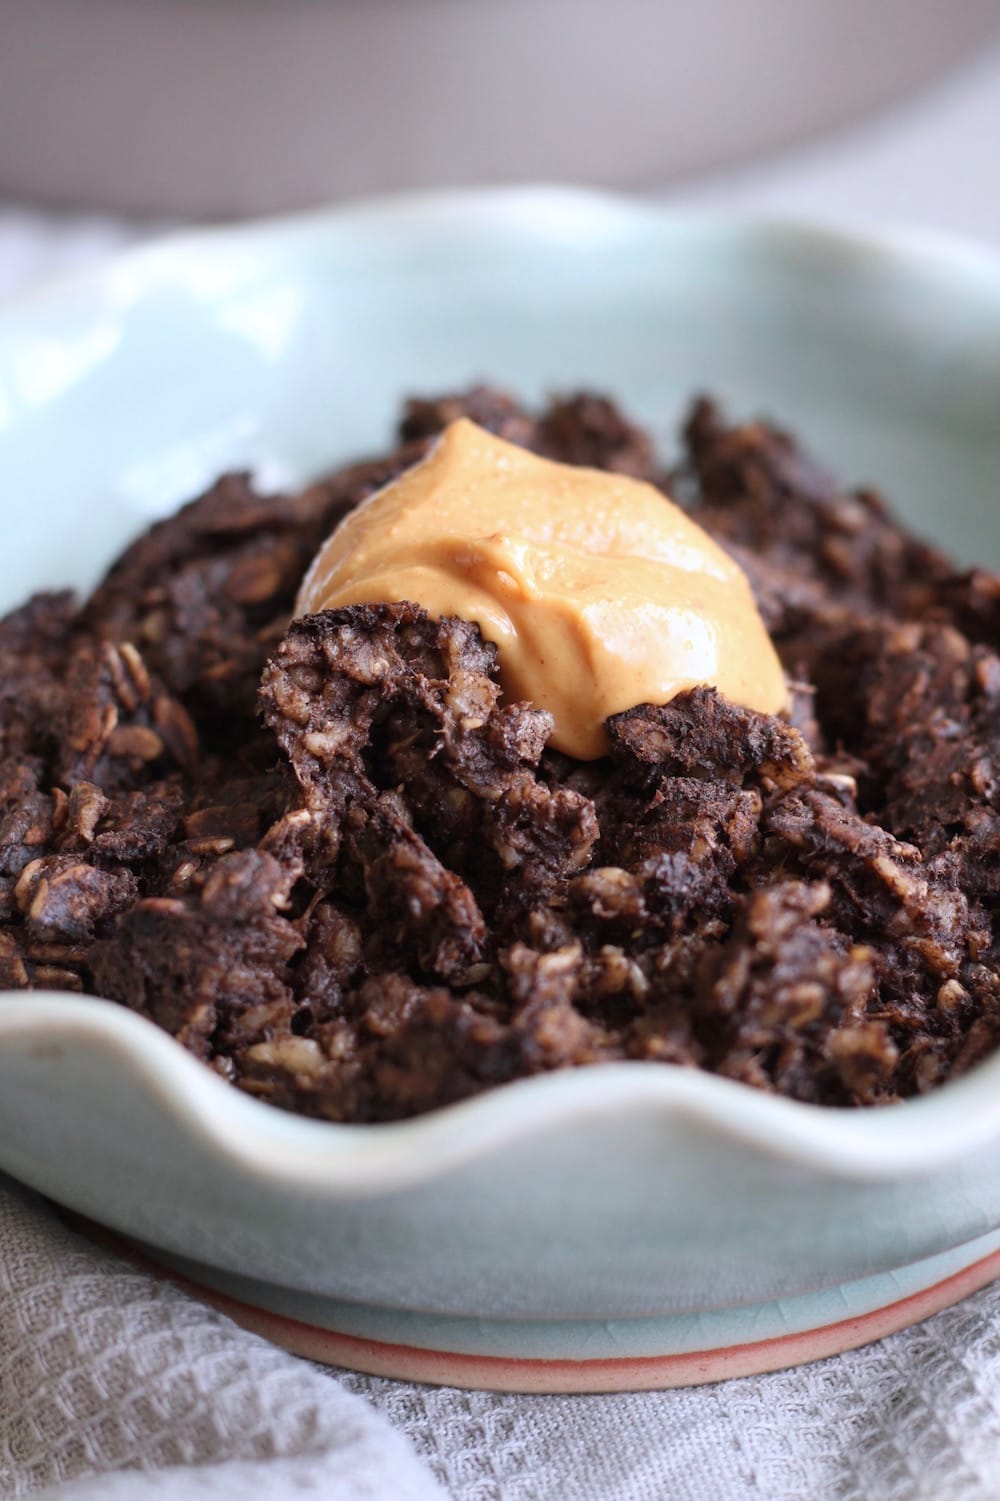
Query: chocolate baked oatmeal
x=332 y=860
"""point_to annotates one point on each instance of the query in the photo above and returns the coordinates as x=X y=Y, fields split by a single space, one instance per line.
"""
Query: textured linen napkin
x=116 y=1386
x=104 y=1368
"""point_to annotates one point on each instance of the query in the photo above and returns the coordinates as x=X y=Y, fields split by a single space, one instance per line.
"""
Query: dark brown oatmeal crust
x=336 y=866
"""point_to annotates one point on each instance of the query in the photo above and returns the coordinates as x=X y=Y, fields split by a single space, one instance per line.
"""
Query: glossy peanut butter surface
x=598 y=591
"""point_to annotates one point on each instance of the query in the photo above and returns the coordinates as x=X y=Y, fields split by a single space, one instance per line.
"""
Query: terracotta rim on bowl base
x=512 y=1373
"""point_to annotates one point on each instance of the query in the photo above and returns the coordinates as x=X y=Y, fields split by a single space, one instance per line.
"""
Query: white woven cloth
x=115 y=1386
x=104 y=1368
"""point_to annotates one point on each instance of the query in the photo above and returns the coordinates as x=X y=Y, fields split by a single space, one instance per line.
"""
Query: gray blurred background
x=145 y=111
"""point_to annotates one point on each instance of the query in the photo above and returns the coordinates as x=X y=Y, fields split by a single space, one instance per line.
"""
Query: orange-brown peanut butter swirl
x=599 y=592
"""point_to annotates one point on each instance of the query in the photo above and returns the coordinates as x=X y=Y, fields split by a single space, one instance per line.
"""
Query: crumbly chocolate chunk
x=494 y=410
x=209 y=967
x=701 y=734
x=589 y=429
x=757 y=488
x=332 y=861
x=382 y=696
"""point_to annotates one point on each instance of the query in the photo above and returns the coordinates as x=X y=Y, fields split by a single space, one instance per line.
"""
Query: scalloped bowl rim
x=913 y=1137
x=910 y=1138
x=125 y=275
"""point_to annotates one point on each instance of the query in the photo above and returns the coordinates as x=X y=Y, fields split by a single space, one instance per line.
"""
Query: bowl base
x=579 y=1355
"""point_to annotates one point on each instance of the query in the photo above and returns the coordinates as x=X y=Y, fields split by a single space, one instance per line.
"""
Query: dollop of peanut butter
x=599 y=592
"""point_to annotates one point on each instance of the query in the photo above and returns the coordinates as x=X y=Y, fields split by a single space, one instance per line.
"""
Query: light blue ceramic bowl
x=610 y=1213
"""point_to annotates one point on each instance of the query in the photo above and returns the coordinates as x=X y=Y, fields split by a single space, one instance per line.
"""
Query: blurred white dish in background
x=220 y=108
